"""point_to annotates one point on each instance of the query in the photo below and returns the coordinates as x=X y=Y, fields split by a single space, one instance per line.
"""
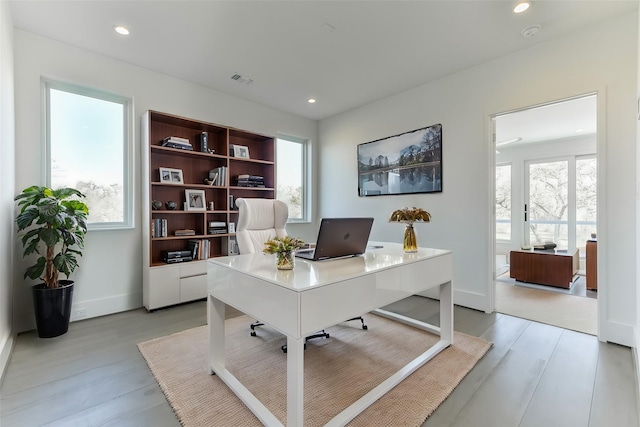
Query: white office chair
x=258 y=221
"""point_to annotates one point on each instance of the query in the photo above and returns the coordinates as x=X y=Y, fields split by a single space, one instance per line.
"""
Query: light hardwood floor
x=534 y=375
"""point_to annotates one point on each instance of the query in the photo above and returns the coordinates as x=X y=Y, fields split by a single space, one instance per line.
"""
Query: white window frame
x=306 y=177
x=127 y=149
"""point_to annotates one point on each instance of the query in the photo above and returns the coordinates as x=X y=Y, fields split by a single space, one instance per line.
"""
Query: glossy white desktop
x=317 y=295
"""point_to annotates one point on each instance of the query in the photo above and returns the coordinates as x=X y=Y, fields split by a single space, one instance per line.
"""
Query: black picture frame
x=410 y=162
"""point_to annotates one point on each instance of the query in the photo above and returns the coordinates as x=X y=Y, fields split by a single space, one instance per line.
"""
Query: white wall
x=601 y=59
x=109 y=277
x=7 y=170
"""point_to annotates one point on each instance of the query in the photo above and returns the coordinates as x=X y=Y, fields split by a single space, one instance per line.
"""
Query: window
x=503 y=202
x=89 y=148
x=292 y=170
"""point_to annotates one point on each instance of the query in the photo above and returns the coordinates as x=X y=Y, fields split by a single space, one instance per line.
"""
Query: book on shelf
x=199 y=248
x=158 y=227
x=217 y=227
x=176 y=142
x=184 y=232
x=218 y=230
x=218 y=176
x=245 y=180
x=194 y=247
x=177 y=139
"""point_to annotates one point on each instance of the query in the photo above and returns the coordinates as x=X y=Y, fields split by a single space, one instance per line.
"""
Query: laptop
x=339 y=237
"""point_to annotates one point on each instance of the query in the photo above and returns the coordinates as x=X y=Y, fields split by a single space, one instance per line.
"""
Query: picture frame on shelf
x=195 y=200
x=171 y=176
x=240 y=151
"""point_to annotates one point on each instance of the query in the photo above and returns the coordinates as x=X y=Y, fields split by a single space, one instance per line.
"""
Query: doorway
x=546 y=203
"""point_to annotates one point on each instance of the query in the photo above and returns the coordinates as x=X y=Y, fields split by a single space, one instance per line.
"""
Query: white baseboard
x=461 y=298
x=87 y=309
x=5 y=354
x=470 y=299
x=618 y=333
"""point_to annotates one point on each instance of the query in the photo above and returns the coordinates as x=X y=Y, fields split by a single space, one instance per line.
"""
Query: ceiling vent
x=242 y=79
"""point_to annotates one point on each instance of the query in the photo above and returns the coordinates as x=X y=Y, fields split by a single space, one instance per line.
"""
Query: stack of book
x=159 y=227
x=184 y=232
x=199 y=249
x=218 y=176
x=250 y=181
x=217 y=227
x=177 y=142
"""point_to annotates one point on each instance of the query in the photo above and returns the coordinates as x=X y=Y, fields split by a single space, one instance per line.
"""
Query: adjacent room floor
x=575 y=308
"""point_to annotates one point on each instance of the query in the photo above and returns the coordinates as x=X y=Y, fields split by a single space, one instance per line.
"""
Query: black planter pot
x=52 y=307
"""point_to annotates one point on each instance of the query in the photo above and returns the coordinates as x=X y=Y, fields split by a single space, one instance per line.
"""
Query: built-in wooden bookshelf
x=166 y=284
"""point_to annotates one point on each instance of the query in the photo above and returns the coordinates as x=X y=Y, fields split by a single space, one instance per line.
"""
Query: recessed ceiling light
x=121 y=30
x=311 y=100
x=521 y=7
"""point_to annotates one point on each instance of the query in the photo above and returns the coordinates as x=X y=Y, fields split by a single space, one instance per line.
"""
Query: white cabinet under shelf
x=174 y=284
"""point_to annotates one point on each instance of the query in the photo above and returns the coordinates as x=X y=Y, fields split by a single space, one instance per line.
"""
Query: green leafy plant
x=279 y=245
x=57 y=221
x=410 y=216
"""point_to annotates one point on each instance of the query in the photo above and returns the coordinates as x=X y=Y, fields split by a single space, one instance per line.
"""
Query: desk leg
x=215 y=322
x=295 y=381
x=446 y=313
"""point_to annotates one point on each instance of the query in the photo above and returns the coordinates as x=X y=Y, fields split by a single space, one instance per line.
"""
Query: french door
x=560 y=202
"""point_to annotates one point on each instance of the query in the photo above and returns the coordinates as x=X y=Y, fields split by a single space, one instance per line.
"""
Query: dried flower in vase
x=410 y=216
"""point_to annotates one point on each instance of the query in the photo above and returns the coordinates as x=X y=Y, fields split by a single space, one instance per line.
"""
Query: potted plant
x=56 y=221
x=283 y=247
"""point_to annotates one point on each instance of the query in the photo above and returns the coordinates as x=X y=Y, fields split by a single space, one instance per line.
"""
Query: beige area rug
x=338 y=371
x=566 y=311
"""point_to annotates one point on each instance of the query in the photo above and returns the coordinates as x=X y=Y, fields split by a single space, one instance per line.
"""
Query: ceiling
x=555 y=121
x=343 y=53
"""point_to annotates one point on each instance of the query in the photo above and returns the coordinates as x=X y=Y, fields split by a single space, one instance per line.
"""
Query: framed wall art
x=410 y=162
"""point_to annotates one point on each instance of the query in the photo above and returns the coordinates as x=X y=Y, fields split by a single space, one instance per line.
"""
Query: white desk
x=316 y=295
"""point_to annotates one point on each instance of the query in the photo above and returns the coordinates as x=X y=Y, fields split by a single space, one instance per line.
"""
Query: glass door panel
x=548 y=204
x=503 y=202
x=586 y=200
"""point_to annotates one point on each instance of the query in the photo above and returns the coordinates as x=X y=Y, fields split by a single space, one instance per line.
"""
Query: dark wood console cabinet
x=544 y=268
x=592 y=265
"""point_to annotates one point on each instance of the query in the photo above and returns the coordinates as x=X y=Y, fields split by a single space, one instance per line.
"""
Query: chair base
x=321 y=334
x=365 y=327
x=253 y=327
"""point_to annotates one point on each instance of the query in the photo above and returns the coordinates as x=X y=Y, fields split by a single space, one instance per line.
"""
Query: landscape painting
x=407 y=163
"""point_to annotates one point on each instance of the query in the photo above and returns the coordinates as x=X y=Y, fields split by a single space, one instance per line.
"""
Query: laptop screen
x=339 y=237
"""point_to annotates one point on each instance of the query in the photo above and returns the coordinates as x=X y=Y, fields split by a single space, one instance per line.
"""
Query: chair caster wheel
x=253 y=334
x=328 y=336
x=365 y=327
